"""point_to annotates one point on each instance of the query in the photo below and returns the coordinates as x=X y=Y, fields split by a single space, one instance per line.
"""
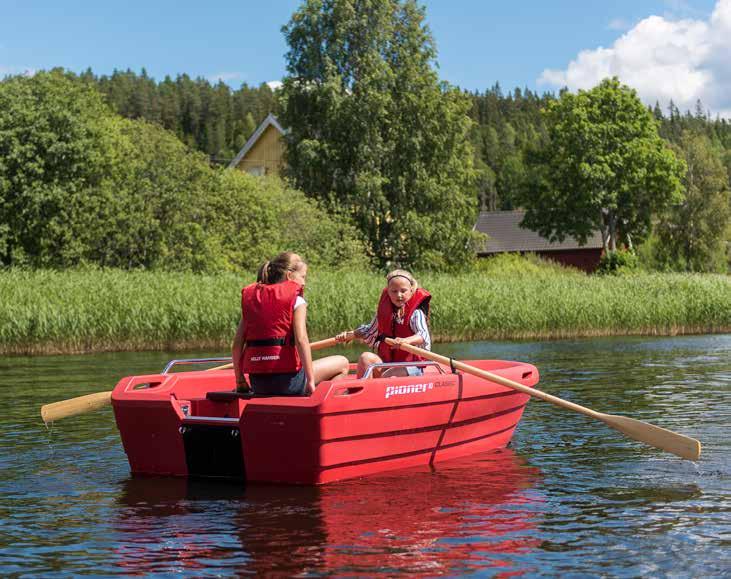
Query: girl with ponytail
x=271 y=343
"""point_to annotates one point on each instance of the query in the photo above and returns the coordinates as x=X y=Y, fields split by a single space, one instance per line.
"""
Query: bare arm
x=302 y=341
x=415 y=340
x=237 y=350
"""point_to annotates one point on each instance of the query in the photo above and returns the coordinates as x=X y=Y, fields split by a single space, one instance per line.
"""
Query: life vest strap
x=271 y=342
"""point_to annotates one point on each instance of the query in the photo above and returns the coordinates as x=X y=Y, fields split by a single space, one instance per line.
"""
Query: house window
x=257 y=171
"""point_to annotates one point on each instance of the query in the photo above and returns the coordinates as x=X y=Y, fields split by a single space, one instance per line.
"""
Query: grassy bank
x=79 y=311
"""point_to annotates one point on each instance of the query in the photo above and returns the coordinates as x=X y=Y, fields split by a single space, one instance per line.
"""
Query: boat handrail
x=386 y=365
x=189 y=361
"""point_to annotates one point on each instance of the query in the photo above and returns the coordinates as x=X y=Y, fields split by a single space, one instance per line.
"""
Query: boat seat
x=229 y=395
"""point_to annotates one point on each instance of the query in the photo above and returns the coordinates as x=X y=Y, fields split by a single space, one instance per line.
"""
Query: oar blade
x=72 y=407
x=678 y=444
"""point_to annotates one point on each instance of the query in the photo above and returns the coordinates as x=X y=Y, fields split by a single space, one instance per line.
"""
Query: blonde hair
x=275 y=271
x=405 y=274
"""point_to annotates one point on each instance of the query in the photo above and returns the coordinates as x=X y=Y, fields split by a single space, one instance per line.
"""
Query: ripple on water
x=571 y=497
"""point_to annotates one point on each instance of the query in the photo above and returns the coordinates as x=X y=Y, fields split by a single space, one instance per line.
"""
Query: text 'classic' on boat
x=192 y=423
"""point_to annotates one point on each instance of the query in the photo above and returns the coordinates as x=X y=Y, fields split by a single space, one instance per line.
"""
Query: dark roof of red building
x=505 y=235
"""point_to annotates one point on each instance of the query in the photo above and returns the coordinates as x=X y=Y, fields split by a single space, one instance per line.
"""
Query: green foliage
x=211 y=118
x=56 y=151
x=509 y=126
x=647 y=255
x=80 y=185
x=513 y=264
x=156 y=211
x=94 y=310
x=508 y=129
x=693 y=234
x=257 y=218
x=619 y=262
x=374 y=135
x=606 y=168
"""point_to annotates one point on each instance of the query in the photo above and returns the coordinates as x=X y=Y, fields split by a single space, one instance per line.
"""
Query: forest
x=508 y=128
x=386 y=165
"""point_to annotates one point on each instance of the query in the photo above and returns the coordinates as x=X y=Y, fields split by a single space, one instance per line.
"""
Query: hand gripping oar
x=90 y=402
x=667 y=440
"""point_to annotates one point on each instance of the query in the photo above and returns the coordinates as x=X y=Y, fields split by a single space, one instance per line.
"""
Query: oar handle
x=323 y=344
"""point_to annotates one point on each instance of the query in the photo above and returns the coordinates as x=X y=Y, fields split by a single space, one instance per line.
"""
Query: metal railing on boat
x=191 y=361
x=386 y=366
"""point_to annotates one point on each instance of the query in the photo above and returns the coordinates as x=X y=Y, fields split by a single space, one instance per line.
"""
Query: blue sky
x=677 y=49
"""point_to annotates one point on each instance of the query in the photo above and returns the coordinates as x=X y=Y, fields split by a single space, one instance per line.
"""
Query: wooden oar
x=667 y=440
x=90 y=402
x=79 y=405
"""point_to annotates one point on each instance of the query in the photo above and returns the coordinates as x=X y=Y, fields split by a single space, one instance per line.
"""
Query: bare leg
x=395 y=372
x=365 y=360
x=330 y=368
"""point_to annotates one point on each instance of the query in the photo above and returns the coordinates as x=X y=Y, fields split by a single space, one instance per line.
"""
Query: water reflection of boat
x=193 y=424
x=472 y=513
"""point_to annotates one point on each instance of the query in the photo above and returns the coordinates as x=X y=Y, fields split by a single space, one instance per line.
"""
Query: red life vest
x=269 y=313
x=390 y=327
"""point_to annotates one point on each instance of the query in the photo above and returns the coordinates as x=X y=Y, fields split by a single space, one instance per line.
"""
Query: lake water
x=570 y=497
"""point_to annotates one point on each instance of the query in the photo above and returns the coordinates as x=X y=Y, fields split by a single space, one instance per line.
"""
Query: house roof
x=506 y=234
x=272 y=121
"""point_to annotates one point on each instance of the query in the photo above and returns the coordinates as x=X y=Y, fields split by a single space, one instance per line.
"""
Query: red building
x=505 y=235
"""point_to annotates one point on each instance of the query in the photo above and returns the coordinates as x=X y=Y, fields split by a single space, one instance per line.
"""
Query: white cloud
x=274 y=84
x=663 y=59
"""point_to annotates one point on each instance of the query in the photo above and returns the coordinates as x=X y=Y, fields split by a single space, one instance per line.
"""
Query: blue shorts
x=287 y=384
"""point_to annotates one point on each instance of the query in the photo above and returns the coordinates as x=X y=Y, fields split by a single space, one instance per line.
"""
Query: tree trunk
x=612 y=232
x=604 y=230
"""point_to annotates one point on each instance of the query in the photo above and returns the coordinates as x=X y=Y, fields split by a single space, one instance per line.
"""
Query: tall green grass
x=78 y=311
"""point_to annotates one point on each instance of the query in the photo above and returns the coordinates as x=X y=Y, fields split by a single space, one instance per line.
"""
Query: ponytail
x=262 y=275
x=275 y=271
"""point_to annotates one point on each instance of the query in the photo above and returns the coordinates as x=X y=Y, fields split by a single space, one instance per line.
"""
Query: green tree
x=605 y=168
x=56 y=150
x=80 y=184
x=692 y=235
x=254 y=218
x=374 y=134
x=155 y=212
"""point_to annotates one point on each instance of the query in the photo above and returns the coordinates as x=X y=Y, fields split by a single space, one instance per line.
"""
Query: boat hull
x=191 y=424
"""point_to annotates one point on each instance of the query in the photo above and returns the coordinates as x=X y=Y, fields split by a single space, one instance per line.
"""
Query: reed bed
x=86 y=311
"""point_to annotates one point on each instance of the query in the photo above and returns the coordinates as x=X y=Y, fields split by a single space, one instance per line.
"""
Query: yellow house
x=263 y=153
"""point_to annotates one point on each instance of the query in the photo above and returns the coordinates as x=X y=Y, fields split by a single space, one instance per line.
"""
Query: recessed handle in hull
x=348 y=391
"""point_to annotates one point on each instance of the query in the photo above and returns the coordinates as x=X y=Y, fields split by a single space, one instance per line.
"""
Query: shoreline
x=225 y=345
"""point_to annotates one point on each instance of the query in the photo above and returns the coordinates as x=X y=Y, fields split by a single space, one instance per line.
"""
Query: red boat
x=193 y=424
